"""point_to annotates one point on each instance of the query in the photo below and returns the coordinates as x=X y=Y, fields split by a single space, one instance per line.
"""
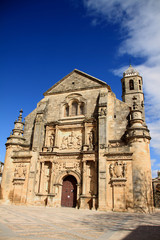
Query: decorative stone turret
x=15 y=142
x=137 y=127
x=16 y=136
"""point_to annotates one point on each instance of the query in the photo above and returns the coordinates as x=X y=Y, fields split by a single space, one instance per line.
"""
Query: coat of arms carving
x=118 y=170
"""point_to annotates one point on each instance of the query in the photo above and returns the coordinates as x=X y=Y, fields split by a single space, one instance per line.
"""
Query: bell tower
x=132 y=90
x=138 y=139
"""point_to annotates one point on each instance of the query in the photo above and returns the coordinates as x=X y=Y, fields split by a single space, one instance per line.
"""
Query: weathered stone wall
x=118 y=114
x=142 y=179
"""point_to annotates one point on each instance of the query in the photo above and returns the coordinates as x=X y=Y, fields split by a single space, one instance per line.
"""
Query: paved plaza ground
x=44 y=223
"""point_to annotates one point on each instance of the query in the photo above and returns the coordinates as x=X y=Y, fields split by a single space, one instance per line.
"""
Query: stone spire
x=16 y=136
x=18 y=125
x=130 y=72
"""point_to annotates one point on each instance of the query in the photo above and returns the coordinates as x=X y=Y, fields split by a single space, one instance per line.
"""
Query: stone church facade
x=82 y=147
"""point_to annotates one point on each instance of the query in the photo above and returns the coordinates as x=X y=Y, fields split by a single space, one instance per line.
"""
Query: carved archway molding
x=65 y=174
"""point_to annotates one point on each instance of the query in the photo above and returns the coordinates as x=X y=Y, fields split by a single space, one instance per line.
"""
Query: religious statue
x=91 y=140
x=52 y=140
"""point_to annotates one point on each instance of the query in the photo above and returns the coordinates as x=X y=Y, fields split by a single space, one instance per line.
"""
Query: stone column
x=93 y=202
x=56 y=137
x=70 y=109
x=84 y=183
x=78 y=111
x=51 y=180
x=38 y=177
x=78 y=196
x=42 y=179
x=85 y=146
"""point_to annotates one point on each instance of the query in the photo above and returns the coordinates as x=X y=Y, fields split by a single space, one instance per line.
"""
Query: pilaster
x=102 y=141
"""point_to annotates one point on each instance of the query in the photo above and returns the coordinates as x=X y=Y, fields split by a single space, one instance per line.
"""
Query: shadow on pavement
x=144 y=233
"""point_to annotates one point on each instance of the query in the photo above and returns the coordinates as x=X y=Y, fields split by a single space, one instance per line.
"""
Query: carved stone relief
x=71 y=141
x=103 y=94
x=20 y=171
x=50 y=136
x=74 y=166
x=135 y=105
x=115 y=144
x=39 y=118
x=102 y=111
x=118 y=170
x=102 y=146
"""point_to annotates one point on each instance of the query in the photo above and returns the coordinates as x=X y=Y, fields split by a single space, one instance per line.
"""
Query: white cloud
x=139 y=22
x=154 y=173
x=153 y=161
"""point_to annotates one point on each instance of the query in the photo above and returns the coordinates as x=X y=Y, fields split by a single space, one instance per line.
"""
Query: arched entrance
x=69 y=192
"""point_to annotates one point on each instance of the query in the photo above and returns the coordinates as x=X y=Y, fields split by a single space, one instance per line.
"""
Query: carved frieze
x=115 y=144
x=63 y=166
x=119 y=156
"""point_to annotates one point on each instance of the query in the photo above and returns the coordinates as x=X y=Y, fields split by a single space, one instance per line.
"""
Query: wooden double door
x=69 y=192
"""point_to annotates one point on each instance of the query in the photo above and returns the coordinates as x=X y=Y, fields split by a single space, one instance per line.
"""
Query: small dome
x=130 y=71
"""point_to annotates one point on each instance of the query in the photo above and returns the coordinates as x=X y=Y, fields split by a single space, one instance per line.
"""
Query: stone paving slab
x=44 y=223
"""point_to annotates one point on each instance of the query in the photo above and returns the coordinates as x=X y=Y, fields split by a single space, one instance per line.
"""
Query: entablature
x=119 y=156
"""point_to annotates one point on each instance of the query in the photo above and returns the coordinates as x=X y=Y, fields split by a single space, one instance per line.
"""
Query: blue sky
x=42 y=41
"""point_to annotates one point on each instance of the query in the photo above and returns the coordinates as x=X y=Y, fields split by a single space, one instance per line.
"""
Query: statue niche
x=91 y=140
x=50 y=139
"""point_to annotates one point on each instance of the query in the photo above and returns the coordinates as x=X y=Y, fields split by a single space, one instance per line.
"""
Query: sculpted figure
x=15 y=172
x=91 y=140
x=124 y=169
x=111 y=170
x=52 y=140
x=64 y=144
x=78 y=142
